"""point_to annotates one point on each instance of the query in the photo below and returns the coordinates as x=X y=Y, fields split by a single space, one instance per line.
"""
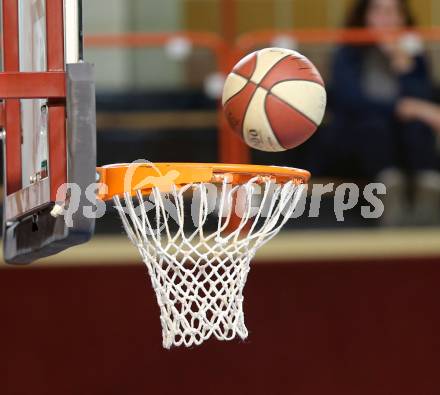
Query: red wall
x=315 y=328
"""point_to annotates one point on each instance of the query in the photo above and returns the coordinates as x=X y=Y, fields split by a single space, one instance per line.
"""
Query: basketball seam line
x=296 y=79
x=255 y=65
x=250 y=99
x=267 y=72
x=253 y=71
x=248 y=81
x=270 y=123
x=241 y=90
x=242 y=76
x=294 y=108
x=257 y=85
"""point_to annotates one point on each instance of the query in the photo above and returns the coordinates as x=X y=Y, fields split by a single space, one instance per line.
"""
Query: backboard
x=49 y=126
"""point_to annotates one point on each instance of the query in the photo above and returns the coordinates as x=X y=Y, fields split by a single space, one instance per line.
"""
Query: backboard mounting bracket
x=48 y=116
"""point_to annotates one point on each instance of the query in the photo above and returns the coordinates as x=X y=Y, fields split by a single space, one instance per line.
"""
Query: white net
x=197 y=242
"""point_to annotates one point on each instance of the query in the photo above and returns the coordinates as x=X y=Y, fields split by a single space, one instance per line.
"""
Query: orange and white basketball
x=275 y=99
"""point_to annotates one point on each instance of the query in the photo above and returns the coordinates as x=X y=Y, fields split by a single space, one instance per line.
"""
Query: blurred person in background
x=369 y=82
x=413 y=109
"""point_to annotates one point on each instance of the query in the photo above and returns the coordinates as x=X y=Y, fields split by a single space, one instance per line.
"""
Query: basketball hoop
x=198 y=268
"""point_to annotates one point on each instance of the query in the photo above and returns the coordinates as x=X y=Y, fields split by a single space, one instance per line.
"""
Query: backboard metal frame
x=29 y=231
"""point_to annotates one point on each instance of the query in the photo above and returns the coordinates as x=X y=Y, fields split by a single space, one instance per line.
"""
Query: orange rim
x=120 y=178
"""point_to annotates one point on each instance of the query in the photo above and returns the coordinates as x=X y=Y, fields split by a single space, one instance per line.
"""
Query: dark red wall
x=349 y=328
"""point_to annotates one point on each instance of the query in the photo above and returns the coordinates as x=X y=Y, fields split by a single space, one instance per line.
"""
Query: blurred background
x=346 y=308
x=160 y=69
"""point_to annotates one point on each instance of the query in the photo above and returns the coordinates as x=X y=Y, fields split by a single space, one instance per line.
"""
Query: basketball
x=274 y=99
